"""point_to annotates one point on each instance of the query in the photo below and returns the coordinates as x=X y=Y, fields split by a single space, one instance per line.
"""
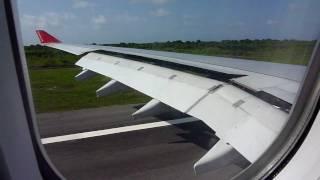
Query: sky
x=115 y=21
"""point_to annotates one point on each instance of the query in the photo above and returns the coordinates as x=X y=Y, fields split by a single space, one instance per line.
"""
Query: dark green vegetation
x=52 y=71
x=45 y=57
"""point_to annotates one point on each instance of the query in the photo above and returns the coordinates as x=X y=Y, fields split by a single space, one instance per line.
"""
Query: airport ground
x=166 y=152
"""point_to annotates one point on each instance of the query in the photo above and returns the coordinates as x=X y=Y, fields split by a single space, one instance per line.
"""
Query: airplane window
x=164 y=89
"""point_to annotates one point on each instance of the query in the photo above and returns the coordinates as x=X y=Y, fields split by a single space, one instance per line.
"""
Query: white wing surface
x=247 y=110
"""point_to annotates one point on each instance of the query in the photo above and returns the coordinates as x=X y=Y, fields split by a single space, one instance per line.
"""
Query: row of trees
x=245 y=44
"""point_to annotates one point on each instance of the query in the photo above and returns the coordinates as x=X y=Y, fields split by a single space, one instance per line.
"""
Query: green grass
x=45 y=57
x=56 y=90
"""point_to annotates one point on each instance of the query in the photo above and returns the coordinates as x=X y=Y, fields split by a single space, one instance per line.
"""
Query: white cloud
x=293 y=6
x=271 y=22
x=160 y=12
x=81 y=4
x=30 y=20
x=128 y=18
x=238 y=24
x=160 y=1
x=99 y=20
x=156 y=2
x=50 y=19
x=299 y=7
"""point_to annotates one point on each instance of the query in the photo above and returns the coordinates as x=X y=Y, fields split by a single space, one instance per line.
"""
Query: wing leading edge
x=245 y=124
x=279 y=80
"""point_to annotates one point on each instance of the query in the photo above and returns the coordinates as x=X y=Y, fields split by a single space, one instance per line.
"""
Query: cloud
x=293 y=6
x=299 y=7
x=117 y=19
x=271 y=22
x=50 y=19
x=81 y=4
x=160 y=12
x=99 y=20
x=30 y=20
x=238 y=24
x=128 y=18
x=156 y=2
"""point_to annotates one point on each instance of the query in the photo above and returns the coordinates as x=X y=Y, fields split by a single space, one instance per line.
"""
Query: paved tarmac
x=158 y=153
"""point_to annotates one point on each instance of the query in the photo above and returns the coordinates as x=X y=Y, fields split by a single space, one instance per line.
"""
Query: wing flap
x=282 y=88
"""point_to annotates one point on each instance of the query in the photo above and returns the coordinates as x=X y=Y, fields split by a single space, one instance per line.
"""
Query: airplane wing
x=245 y=102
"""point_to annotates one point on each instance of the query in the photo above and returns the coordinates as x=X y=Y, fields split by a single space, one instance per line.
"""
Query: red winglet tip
x=45 y=37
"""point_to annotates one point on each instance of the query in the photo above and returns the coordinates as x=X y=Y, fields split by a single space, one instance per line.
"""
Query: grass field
x=52 y=71
x=56 y=90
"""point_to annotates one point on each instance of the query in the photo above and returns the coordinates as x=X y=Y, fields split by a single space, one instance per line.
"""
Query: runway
x=164 y=152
